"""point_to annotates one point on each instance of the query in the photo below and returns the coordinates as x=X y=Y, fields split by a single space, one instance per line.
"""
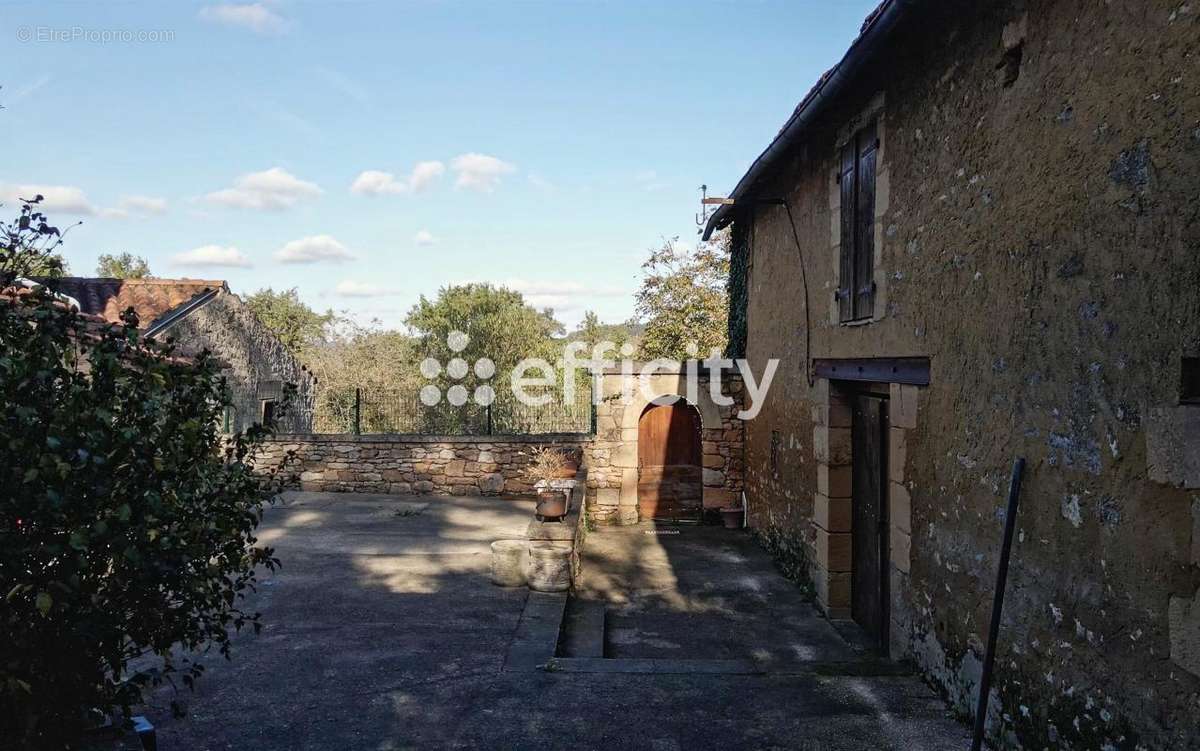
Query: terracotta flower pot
x=732 y=518
x=551 y=504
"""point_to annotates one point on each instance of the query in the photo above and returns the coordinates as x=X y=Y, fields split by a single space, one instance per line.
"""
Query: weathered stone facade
x=257 y=363
x=403 y=464
x=202 y=314
x=1037 y=238
x=612 y=458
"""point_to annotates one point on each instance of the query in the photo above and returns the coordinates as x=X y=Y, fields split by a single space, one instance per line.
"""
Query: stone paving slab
x=698 y=592
x=384 y=632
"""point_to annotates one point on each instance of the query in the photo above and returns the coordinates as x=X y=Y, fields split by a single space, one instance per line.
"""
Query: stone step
x=583 y=629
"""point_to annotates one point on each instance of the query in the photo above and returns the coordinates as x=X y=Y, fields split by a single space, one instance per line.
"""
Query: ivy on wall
x=737 y=286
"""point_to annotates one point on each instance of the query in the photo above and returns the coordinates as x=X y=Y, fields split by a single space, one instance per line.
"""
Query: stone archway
x=612 y=459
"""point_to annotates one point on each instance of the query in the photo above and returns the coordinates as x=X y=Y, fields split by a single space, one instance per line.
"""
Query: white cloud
x=314 y=249
x=479 y=171
x=425 y=173
x=211 y=255
x=256 y=17
x=350 y=288
x=376 y=182
x=143 y=204
x=64 y=199
x=424 y=238
x=270 y=190
x=68 y=199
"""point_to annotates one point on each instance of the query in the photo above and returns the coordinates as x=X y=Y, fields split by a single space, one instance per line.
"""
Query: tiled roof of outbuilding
x=151 y=298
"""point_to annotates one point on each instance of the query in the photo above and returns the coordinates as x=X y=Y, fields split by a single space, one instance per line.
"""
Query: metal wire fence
x=371 y=411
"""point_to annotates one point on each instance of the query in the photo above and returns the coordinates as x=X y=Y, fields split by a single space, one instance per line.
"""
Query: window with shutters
x=856 y=180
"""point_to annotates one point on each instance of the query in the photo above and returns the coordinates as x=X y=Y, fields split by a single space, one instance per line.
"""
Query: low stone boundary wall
x=402 y=464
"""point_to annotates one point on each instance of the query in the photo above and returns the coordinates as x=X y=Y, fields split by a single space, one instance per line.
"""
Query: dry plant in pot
x=548 y=464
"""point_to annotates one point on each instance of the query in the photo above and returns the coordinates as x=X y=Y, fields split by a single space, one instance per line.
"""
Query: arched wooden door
x=669 y=471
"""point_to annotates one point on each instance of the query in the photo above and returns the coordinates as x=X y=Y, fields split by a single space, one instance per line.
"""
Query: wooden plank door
x=669 y=473
x=868 y=579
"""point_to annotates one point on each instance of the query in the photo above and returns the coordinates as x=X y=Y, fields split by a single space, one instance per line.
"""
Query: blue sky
x=369 y=152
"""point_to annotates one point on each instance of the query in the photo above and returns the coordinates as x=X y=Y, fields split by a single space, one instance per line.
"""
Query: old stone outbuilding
x=201 y=314
x=977 y=238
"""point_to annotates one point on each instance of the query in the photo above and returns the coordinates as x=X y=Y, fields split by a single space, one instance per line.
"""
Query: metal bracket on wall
x=910 y=370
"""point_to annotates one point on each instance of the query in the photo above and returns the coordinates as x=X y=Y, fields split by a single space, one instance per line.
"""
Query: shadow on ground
x=382 y=631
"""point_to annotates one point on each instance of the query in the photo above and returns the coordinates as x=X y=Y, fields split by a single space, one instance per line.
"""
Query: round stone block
x=549 y=567
x=508 y=562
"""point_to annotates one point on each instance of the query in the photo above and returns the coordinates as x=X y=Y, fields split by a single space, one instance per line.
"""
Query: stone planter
x=549 y=567
x=509 y=560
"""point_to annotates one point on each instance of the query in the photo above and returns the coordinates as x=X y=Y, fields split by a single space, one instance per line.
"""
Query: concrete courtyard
x=383 y=631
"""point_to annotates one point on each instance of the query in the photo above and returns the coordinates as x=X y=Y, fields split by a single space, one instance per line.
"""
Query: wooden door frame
x=850 y=391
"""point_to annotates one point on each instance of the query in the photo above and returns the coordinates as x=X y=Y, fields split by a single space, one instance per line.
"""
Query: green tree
x=500 y=327
x=127 y=521
x=298 y=326
x=683 y=299
x=381 y=363
x=122 y=266
x=498 y=322
x=592 y=331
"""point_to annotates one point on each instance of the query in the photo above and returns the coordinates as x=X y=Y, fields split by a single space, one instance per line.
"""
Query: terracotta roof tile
x=151 y=298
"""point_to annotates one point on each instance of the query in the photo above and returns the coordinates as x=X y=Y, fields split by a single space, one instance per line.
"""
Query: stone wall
x=494 y=465
x=402 y=464
x=1037 y=240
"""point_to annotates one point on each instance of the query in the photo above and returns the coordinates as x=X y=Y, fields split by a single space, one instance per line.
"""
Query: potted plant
x=547 y=464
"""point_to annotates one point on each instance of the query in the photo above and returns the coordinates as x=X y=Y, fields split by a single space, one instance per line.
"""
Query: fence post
x=357 y=411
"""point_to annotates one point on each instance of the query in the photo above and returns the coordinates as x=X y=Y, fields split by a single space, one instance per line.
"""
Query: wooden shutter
x=864 y=223
x=846 y=177
x=856 y=282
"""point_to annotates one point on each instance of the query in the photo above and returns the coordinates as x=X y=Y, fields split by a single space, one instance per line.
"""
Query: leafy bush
x=126 y=520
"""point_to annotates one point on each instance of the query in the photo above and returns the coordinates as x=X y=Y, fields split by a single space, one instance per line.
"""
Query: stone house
x=977 y=238
x=203 y=314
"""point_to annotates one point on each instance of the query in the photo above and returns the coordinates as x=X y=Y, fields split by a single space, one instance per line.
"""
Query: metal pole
x=1010 y=524
x=357 y=411
x=489 y=418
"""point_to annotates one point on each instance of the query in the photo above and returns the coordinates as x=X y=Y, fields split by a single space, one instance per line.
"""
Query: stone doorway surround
x=832 y=511
x=612 y=457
